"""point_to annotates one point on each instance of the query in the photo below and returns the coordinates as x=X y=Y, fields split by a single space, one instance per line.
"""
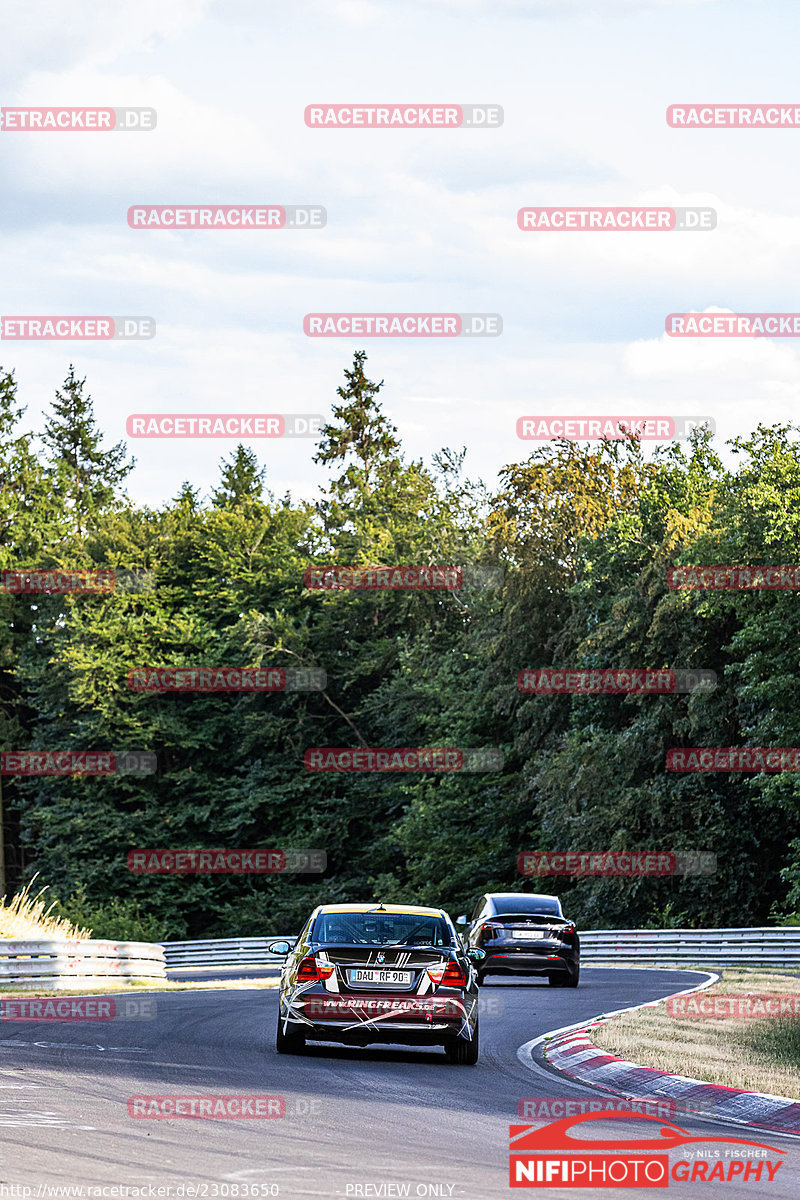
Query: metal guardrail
x=773 y=946
x=764 y=946
x=77 y=964
x=221 y=952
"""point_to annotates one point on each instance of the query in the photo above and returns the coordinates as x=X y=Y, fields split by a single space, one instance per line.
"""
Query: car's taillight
x=310 y=971
x=491 y=928
x=453 y=976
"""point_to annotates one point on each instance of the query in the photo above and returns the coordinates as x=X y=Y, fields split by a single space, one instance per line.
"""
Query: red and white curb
x=576 y=1055
x=570 y=1051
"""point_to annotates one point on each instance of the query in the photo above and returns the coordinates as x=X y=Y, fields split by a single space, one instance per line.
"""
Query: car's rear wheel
x=462 y=1052
x=562 y=980
x=480 y=976
x=289 y=1043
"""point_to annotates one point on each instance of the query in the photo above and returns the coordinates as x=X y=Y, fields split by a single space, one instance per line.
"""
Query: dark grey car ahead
x=523 y=933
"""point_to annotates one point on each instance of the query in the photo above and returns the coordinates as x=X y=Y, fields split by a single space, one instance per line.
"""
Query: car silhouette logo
x=555 y=1135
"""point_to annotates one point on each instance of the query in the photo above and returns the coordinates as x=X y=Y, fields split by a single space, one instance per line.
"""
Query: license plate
x=370 y=975
x=532 y=934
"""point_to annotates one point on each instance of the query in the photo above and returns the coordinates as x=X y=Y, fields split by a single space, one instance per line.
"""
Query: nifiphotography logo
x=548 y=1156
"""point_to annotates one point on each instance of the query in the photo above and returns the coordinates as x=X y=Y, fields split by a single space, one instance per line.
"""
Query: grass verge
x=25 y=916
x=139 y=985
x=758 y=1055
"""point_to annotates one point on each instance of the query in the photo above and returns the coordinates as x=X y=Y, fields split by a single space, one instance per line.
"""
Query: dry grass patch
x=760 y=1055
x=25 y=916
x=138 y=986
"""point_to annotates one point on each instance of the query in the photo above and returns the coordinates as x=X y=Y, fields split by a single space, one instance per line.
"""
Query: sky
x=417 y=220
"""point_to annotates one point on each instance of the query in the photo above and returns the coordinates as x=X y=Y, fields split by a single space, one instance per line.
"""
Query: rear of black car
x=399 y=976
x=526 y=934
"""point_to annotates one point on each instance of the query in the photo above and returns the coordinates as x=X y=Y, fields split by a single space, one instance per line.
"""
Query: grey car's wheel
x=561 y=980
x=463 y=1053
x=289 y=1043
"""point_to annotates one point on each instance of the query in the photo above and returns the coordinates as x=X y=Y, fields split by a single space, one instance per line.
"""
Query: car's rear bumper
x=348 y=1017
x=406 y=1034
x=523 y=962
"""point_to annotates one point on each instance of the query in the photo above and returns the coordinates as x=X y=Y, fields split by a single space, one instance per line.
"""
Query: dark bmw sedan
x=362 y=973
x=523 y=933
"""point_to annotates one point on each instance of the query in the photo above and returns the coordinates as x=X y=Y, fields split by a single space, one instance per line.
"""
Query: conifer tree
x=83 y=475
x=241 y=479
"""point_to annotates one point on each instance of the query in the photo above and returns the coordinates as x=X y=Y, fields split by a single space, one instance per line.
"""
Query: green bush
x=120 y=919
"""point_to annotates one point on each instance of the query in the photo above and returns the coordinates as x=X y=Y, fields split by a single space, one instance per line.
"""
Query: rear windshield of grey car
x=542 y=906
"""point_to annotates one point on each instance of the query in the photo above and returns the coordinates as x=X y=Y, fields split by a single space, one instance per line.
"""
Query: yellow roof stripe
x=411 y=909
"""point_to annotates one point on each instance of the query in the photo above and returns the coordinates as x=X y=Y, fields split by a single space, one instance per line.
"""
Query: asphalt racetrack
x=373 y=1122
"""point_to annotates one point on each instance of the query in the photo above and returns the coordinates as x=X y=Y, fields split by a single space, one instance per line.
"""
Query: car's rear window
x=381 y=929
x=539 y=906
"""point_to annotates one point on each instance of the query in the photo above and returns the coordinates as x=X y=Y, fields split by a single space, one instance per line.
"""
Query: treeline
x=575 y=542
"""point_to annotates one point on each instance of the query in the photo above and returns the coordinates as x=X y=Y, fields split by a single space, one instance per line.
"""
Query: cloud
x=56 y=34
x=746 y=360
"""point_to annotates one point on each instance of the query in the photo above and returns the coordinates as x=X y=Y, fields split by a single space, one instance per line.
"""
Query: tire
x=462 y=1053
x=480 y=978
x=561 y=980
x=289 y=1043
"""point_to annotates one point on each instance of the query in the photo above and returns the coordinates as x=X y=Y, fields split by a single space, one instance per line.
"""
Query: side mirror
x=475 y=954
x=281 y=948
x=462 y=920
